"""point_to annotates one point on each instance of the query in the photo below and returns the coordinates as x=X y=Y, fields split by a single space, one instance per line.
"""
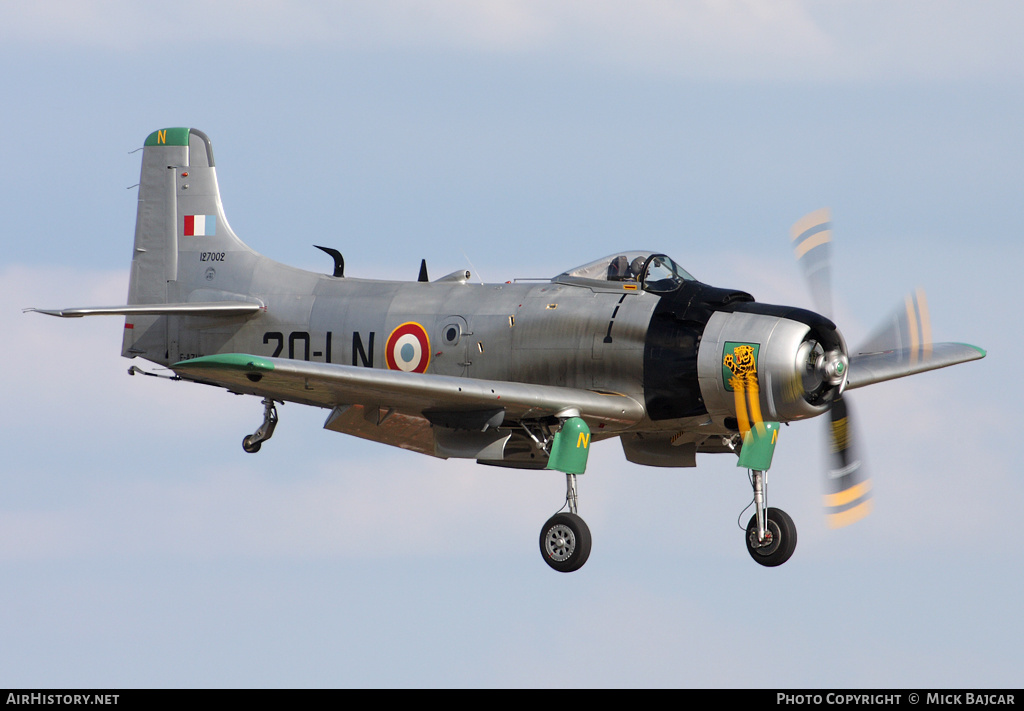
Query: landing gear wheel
x=780 y=533
x=565 y=542
x=249 y=446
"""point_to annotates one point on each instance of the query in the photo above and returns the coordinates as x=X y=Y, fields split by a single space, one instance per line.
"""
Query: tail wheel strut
x=252 y=443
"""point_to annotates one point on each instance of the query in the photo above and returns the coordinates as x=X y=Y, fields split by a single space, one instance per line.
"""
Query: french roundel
x=408 y=348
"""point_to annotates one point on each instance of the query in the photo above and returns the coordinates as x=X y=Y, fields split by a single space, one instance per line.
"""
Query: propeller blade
x=902 y=345
x=908 y=327
x=848 y=488
x=812 y=245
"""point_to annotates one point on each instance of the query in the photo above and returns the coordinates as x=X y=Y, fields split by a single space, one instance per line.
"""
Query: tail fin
x=185 y=251
x=187 y=262
x=179 y=210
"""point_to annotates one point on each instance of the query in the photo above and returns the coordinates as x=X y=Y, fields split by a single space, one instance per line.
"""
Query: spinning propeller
x=847 y=485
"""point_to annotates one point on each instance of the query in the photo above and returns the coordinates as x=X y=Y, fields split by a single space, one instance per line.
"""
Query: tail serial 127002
x=526 y=374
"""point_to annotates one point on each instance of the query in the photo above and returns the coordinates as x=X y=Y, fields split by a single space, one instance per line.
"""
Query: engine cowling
x=793 y=360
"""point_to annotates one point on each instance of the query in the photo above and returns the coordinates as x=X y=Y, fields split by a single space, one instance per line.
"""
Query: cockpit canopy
x=654 y=272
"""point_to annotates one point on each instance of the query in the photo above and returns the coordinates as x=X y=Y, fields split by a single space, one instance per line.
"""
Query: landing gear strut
x=252 y=443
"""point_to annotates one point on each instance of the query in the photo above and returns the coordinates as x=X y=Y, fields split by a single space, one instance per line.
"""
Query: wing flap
x=330 y=385
x=385 y=426
x=871 y=368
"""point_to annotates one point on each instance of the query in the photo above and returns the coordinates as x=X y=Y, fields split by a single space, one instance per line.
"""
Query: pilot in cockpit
x=635 y=267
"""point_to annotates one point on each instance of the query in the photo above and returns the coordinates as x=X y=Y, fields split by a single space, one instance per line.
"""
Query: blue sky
x=139 y=546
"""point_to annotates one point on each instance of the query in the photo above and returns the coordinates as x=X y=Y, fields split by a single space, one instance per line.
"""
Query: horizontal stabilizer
x=877 y=367
x=332 y=384
x=213 y=308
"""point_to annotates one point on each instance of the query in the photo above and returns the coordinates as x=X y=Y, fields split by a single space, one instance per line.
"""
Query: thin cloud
x=740 y=40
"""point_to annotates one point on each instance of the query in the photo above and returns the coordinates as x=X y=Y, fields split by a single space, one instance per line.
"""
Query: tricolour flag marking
x=200 y=225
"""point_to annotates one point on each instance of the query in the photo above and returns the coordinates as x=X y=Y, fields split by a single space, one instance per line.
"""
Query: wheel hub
x=560 y=543
x=768 y=545
x=754 y=543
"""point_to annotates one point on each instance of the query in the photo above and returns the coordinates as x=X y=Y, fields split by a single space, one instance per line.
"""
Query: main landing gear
x=565 y=538
x=252 y=443
x=771 y=533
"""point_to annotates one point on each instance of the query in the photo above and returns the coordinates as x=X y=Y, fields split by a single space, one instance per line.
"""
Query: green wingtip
x=228 y=361
x=980 y=350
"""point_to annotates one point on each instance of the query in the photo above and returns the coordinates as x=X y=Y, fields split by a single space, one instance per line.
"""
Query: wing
x=398 y=408
x=870 y=368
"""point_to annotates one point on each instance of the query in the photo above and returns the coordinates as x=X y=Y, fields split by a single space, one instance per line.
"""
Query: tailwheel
x=252 y=443
x=565 y=542
x=779 y=538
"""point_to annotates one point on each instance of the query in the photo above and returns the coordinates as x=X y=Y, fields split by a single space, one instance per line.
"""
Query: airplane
x=525 y=374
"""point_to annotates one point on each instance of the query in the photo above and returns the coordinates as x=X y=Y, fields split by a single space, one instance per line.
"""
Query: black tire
x=248 y=446
x=783 y=534
x=565 y=542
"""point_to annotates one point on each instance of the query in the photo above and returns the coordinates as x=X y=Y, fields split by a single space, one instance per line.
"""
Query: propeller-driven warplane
x=527 y=374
